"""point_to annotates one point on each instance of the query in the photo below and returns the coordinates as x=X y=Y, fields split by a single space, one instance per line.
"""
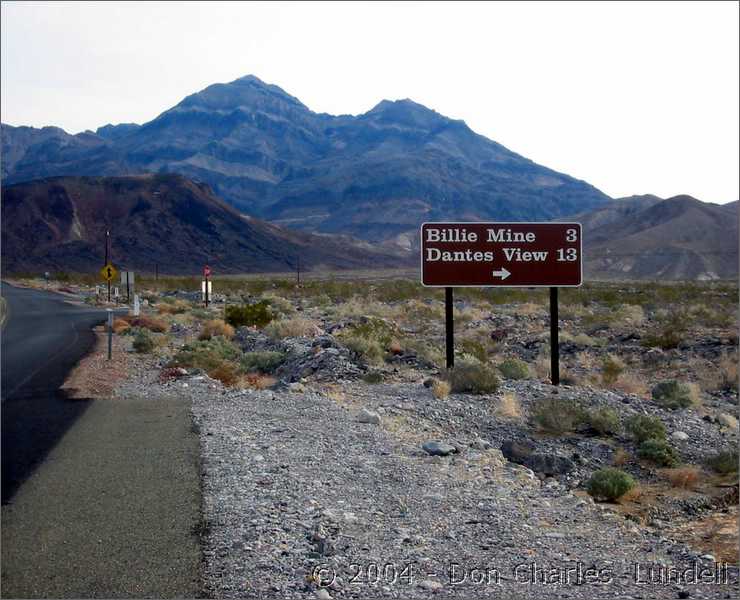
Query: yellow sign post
x=108 y=272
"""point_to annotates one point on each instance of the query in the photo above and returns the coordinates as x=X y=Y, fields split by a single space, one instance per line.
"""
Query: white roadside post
x=110 y=332
x=137 y=305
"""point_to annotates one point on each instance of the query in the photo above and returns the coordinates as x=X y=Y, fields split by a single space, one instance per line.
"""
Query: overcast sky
x=632 y=97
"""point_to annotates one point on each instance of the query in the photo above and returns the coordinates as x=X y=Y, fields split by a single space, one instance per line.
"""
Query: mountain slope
x=164 y=220
x=376 y=175
x=677 y=238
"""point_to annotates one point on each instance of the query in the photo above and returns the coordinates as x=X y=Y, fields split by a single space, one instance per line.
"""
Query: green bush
x=262 y=362
x=659 y=452
x=672 y=394
x=643 y=427
x=475 y=349
x=604 y=421
x=207 y=354
x=609 y=484
x=373 y=377
x=366 y=348
x=248 y=315
x=724 y=462
x=143 y=342
x=513 y=368
x=556 y=415
x=472 y=377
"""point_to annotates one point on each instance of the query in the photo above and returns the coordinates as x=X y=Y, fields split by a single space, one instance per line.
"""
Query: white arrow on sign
x=502 y=273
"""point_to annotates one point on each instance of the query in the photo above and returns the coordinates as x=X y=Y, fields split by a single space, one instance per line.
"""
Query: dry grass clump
x=529 y=309
x=541 y=367
x=440 y=389
x=296 y=327
x=630 y=383
x=120 y=325
x=172 y=308
x=256 y=381
x=509 y=406
x=146 y=322
x=611 y=368
x=216 y=327
x=226 y=372
x=473 y=377
x=720 y=376
x=630 y=314
x=682 y=477
x=620 y=457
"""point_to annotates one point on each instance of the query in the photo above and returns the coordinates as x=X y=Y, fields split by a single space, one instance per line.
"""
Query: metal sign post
x=206 y=284
x=502 y=255
x=554 y=338
x=110 y=333
x=449 y=329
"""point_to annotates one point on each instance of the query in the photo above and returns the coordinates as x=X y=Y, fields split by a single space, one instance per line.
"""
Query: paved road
x=44 y=336
x=106 y=496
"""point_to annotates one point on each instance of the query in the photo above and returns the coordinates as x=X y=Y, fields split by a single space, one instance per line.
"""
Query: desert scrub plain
x=341 y=460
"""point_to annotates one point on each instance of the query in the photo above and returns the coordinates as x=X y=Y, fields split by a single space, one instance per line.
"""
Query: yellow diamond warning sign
x=108 y=272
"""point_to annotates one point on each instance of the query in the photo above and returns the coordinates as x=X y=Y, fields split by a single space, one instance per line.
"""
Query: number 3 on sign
x=567 y=254
x=571 y=235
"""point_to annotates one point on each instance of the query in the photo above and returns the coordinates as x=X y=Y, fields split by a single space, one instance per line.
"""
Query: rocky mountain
x=644 y=237
x=162 y=220
x=377 y=175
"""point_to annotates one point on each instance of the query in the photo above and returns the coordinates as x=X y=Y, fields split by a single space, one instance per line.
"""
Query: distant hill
x=376 y=176
x=644 y=237
x=158 y=220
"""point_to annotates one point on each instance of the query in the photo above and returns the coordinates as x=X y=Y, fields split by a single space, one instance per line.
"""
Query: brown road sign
x=501 y=254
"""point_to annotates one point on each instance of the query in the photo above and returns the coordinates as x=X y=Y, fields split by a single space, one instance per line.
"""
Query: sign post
x=502 y=255
x=206 y=284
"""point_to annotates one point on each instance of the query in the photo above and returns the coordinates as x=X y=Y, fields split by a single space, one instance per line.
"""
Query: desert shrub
x=143 y=342
x=556 y=415
x=724 y=462
x=682 y=477
x=509 y=407
x=630 y=314
x=120 y=325
x=513 y=368
x=226 y=372
x=214 y=328
x=374 y=328
x=201 y=314
x=609 y=484
x=472 y=377
x=206 y=354
x=262 y=362
x=658 y=451
x=604 y=421
x=279 y=305
x=630 y=383
x=373 y=377
x=620 y=457
x=722 y=375
x=297 y=327
x=475 y=348
x=172 y=306
x=248 y=315
x=441 y=389
x=611 y=368
x=644 y=427
x=367 y=349
x=672 y=394
x=258 y=381
x=146 y=322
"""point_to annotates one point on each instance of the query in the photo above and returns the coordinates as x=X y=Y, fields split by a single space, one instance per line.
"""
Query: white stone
x=680 y=436
x=368 y=416
x=430 y=585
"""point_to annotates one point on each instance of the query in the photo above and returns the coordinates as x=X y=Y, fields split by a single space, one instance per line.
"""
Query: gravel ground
x=303 y=500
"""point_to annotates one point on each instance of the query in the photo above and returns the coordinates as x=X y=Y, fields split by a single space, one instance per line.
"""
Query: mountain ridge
x=376 y=175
